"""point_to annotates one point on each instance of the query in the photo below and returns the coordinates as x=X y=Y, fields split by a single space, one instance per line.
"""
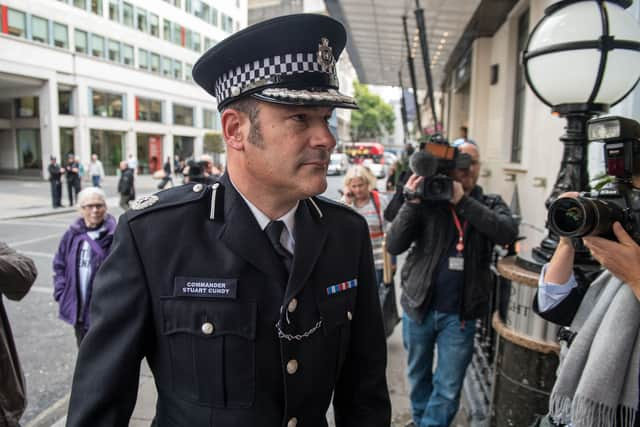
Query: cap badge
x=144 y=202
x=325 y=56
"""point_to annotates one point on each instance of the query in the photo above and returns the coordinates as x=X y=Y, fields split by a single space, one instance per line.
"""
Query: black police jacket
x=200 y=299
x=424 y=230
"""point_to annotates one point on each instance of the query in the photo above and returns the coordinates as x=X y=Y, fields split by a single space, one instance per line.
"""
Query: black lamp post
x=581 y=58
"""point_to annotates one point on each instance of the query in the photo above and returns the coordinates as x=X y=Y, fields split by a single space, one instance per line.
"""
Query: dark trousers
x=73 y=187
x=81 y=331
x=56 y=193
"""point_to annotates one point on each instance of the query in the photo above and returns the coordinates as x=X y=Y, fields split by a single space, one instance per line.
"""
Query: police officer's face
x=291 y=150
x=468 y=177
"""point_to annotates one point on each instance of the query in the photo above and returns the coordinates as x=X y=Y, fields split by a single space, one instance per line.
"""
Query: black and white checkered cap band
x=236 y=81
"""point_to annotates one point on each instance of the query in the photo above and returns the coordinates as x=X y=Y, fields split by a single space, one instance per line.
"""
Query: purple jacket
x=65 y=266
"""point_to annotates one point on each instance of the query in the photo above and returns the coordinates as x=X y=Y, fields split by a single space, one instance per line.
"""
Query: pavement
x=26 y=199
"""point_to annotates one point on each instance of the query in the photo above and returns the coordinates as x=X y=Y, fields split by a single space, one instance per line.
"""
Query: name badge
x=456 y=263
x=205 y=287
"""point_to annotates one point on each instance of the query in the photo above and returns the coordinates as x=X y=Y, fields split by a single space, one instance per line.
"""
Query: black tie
x=274 y=232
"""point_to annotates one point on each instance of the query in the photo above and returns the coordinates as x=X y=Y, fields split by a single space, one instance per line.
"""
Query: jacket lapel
x=242 y=234
x=310 y=237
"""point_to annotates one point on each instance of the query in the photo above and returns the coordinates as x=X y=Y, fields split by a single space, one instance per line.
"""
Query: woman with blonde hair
x=361 y=194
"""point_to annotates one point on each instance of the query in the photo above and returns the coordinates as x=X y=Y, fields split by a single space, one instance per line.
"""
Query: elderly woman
x=83 y=248
x=361 y=194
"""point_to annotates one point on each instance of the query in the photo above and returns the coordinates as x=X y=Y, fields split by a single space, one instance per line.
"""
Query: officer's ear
x=233 y=128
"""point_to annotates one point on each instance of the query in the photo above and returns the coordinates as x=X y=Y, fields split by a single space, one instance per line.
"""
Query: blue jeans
x=435 y=397
x=95 y=180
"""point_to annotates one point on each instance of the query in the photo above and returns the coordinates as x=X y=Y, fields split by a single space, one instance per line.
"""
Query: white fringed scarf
x=598 y=375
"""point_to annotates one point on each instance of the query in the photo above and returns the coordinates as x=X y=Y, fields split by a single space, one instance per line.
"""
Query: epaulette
x=173 y=196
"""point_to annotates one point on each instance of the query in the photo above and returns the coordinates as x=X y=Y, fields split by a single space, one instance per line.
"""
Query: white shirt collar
x=289 y=219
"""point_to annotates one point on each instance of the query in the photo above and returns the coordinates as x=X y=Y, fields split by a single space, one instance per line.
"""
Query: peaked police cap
x=286 y=60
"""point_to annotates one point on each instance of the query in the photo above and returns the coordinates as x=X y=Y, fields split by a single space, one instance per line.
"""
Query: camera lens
x=583 y=216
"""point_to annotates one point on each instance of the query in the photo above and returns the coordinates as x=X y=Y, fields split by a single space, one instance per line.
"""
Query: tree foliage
x=374 y=115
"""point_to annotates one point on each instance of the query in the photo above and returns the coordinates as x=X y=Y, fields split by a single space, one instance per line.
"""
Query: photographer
x=446 y=282
x=598 y=373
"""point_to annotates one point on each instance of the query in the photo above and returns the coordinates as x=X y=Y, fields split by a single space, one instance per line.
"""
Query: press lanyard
x=461 y=228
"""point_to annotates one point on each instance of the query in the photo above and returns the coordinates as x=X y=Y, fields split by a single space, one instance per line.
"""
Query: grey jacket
x=17 y=274
x=425 y=231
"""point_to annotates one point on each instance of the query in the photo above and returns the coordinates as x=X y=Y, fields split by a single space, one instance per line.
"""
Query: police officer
x=253 y=300
x=55 y=178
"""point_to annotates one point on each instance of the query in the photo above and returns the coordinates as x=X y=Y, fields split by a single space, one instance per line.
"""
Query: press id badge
x=456 y=263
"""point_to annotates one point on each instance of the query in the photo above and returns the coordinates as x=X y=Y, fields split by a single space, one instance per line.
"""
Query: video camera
x=434 y=163
x=593 y=213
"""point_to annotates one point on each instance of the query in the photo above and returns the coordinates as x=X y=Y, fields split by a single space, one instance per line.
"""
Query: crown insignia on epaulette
x=144 y=202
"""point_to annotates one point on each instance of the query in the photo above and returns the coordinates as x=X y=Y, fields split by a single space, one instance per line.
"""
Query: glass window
x=149 y=110
x=60 y=35
x=187 y=72
x=97 y=46
x=82 y=4
x=127 y=14
x=208 y=119
x=127 y=54
x=182 y=115
x=39 y=29
x=195 y=42
x=114 y=51
x=80 y=39
x=64 y=102
x=177 y=70
x=17 y=23
x=106 y=104
x=166 y=30
x=209 y=42
x=155 y=62
x=188 y=5
x=96 y=7
x=166 y=66
x=205 y=12
x=154 y=25
x=518 y=112
x=214 y=16
x=143 y=59
x=29 y=156
x=177 y=34
x=114 y=10
x=27 y=107
x=141 y=19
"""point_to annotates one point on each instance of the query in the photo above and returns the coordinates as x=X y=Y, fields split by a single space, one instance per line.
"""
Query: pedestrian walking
x=446 y=282
x=83 y=248
x=132 y=163
x=55 y=180
x=72 y=173
x=167 y=174
x=96 y=170
x=17 y=274
x=126 y=187
x=261 y=313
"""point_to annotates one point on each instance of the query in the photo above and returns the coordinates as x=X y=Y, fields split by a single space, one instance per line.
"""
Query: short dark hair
x=251 y=107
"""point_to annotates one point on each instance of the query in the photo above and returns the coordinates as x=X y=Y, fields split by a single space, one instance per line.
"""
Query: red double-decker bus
x=359 y=151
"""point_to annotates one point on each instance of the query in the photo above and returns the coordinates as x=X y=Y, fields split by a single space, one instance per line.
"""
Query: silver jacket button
x=293 y=422
x=293 y=304
x=292 y=366
x=207 y=328
x=197 y=188
x=349 y=315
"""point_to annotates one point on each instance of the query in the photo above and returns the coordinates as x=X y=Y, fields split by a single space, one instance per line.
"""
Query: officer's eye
x=299 y=117
x=327 y=118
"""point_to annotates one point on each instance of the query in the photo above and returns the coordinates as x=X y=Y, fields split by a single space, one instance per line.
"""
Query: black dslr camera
x=434 y=163
x=593 y=213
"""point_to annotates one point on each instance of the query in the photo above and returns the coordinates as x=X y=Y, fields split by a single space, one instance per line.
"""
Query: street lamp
x=581 y=58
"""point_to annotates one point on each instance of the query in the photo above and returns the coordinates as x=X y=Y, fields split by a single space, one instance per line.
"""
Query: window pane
x=214 y=16
x=114 y=105
x=27 y=107
x=60 y=35
x=166 y=66
x=177 y=69
x=143 y=59
x=154 y=28
x=207 y=119
x=177 y=34
x=127 y=14
x=114 y=51
x=155 y=63
x=29 y=156
x=97 y=46
x=187 y=72
x=142 y=19
x=195 y=41
x=39 y=29
x=127 y=54
x=64 y=102
x=114 y=10
x=17 y=23
x=80 y=41
x=182 y=115
x=166 y=32
x=80 y=3
x=106 y=104
x=96 y=6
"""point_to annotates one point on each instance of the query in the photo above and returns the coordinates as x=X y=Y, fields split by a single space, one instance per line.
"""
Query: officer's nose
x=323 y=138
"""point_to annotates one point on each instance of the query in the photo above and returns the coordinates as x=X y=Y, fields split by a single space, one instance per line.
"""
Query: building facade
x=111 y=77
